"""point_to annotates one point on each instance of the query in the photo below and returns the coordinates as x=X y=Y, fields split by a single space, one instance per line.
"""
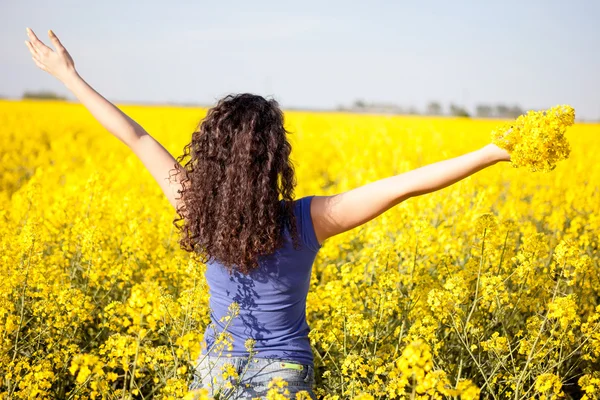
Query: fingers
x=54 y=39
x=35 y=56
x=32 y=50
x=37 y=43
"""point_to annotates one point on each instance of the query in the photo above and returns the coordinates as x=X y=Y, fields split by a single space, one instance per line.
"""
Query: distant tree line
x=436 y=108
x=380 y=108
x=360 y=106
x=43 y=95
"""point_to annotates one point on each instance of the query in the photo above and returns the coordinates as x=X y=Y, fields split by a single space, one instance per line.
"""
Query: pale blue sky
x=318 y=54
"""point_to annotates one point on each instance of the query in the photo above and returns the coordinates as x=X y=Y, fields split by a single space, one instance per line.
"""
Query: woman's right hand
x=57 y=63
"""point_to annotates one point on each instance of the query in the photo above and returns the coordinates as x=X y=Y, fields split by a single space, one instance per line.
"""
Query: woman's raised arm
x=335 y=214
x=153 y=155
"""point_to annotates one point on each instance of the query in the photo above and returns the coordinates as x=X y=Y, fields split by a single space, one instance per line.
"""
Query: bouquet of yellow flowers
x=537 y=139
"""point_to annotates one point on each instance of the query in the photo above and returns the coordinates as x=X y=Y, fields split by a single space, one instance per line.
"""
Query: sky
x=317 y=54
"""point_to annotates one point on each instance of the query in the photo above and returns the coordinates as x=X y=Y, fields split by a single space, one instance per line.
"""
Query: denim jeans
x=253 y=376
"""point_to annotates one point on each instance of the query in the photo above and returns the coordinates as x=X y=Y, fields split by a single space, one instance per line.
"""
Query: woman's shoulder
x=306 y=228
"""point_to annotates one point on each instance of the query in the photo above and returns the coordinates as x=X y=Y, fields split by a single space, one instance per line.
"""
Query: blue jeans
x=253 y=376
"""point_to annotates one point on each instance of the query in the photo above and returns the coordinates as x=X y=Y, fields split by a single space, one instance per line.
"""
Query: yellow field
x=489 y=286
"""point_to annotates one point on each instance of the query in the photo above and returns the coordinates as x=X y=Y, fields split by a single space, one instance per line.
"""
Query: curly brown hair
x=238 y=165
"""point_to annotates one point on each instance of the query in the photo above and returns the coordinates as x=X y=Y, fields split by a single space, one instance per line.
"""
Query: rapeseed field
x=489 y=288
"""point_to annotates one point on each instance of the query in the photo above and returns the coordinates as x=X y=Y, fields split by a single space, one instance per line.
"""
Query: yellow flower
x=229 y=371
x=537 y=140
x=548 y=384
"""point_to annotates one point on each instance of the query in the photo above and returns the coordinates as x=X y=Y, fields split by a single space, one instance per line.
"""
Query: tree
x=434 y=108
x=360 y=104
x=484 y=111
x=43 y=95
x=515 y=111
x=502 y=111
x=458 y=111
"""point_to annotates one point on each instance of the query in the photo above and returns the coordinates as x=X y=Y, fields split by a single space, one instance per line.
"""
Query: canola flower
x=537 y=139
x=486 y=289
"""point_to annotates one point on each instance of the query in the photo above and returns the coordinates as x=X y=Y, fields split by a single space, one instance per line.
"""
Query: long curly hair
x=237 y=166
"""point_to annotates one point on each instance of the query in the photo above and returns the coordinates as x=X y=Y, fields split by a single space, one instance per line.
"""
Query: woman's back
x=271 y=299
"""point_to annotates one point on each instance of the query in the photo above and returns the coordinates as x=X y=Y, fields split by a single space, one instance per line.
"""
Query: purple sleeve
x=308 y=230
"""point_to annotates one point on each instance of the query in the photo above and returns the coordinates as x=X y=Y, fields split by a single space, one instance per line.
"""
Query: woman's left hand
x=496 y=153
x=57 y=62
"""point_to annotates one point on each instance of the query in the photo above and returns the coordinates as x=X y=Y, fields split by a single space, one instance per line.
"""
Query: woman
x=258 y=248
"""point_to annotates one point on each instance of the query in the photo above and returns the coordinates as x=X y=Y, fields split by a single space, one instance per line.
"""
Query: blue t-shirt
x=272 y=298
